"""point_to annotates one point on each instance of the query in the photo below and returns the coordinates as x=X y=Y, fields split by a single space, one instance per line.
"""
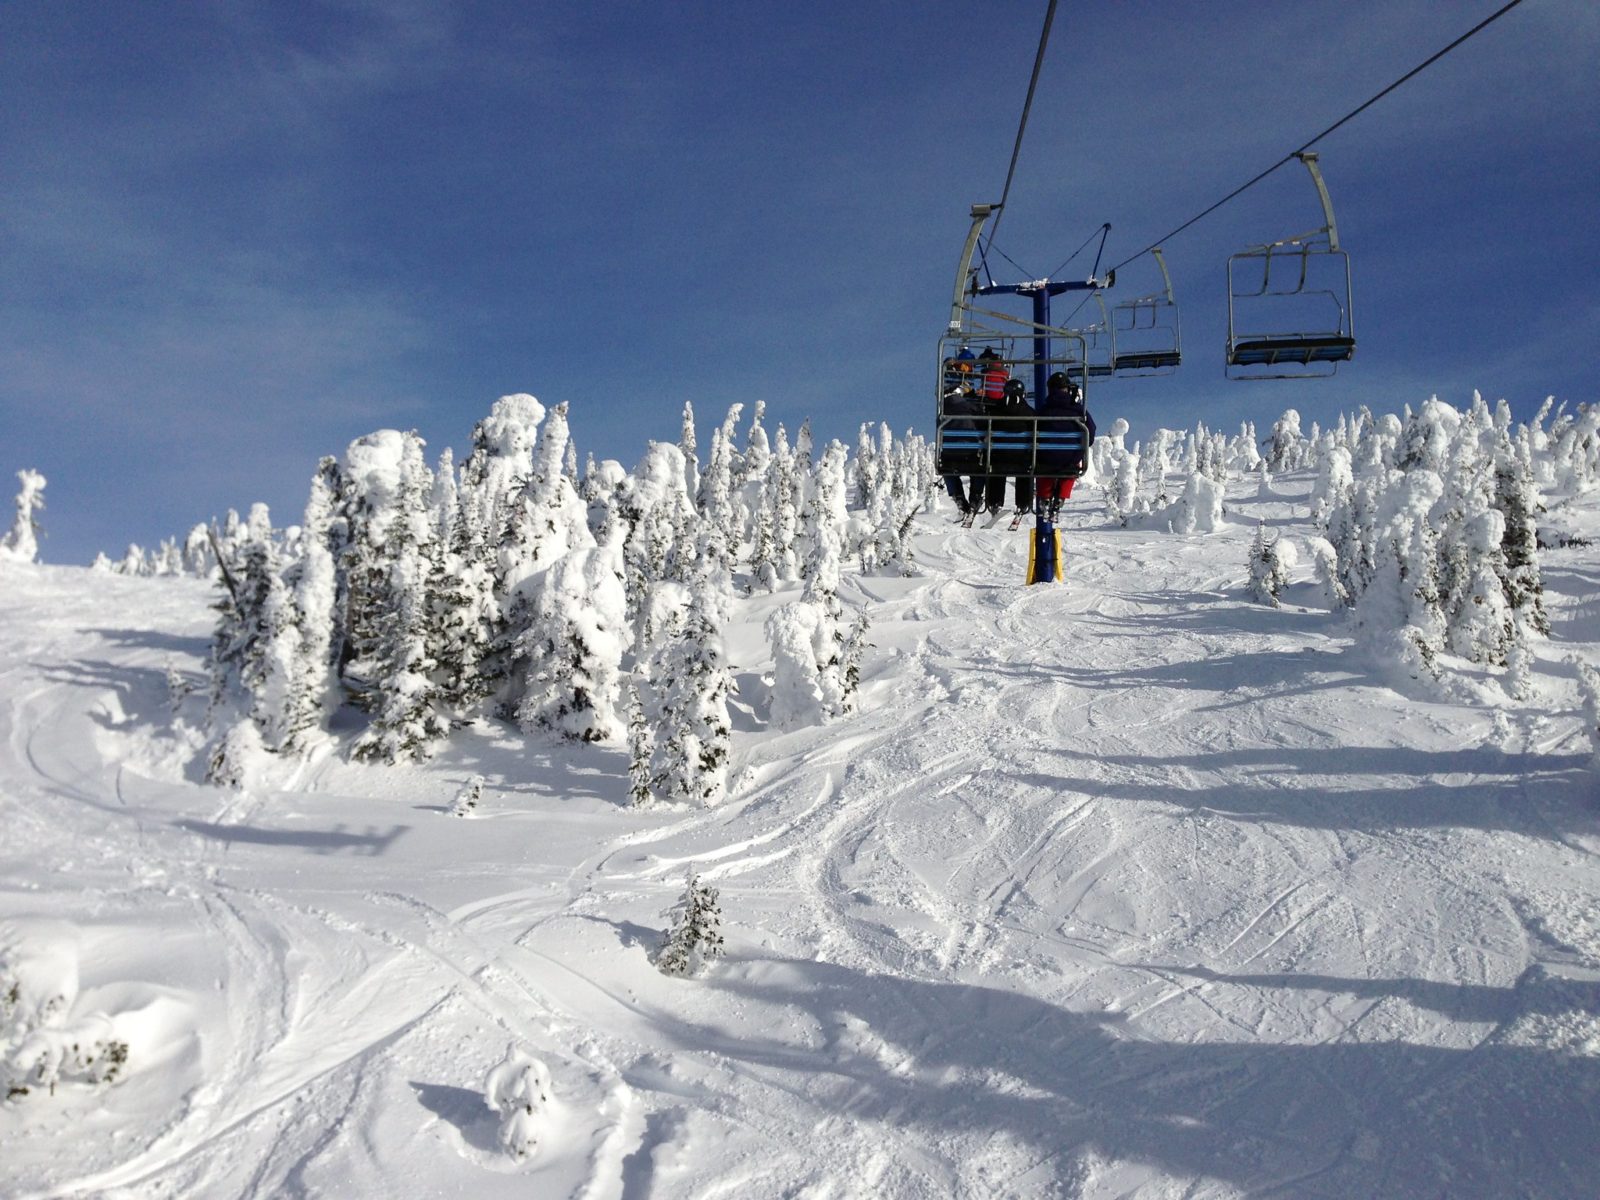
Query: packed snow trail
x=1121 y=887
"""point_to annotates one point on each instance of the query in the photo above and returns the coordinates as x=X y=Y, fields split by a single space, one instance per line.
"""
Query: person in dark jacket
x=1016 y=405
x=1062 y=399
x=959 y=401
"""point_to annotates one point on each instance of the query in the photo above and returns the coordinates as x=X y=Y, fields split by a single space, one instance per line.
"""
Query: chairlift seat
x=1152 y=360
x=1271 y=351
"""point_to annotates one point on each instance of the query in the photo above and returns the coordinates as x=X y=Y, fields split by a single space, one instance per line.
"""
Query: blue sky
x=235 y=235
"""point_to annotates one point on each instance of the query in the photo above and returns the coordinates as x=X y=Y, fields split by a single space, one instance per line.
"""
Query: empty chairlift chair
x=1147 y=339
x=1289 y=302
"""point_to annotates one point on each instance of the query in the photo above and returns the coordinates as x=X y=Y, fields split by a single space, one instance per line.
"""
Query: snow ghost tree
x=406 y=721
x=467 y=799
x=1270 y=564
x=573 y=645
x=694 y=939
x=690 y=681
x=21 y=544
x=519 y=1090
x=813 y=647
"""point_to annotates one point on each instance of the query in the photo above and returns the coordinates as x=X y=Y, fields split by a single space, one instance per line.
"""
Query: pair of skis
x=971 y=516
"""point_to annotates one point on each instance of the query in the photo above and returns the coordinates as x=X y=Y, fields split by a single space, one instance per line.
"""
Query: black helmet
x=1057 y=382
x=988 y=353
x=1015 y=391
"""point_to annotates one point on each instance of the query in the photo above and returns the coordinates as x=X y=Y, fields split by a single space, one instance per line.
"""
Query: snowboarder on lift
x=1062 y=399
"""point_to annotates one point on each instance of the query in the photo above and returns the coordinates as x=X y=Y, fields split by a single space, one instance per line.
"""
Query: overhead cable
x=1289 y=157
x=1016 y=149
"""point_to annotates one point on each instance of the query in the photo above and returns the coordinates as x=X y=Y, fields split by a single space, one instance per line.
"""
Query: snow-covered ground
x=1124 y=887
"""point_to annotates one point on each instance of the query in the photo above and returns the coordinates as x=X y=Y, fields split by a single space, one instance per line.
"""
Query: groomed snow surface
x=1123 y=887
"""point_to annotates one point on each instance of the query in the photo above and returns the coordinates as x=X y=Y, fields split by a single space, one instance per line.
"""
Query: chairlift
x=973 y=435
x=1146 y=336
x=1100 y=343
x=1289 y=302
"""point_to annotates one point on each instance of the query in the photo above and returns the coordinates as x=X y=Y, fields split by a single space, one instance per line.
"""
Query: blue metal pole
x=1041 y=343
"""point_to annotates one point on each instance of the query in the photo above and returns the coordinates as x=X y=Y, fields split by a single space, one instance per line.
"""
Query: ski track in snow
x=1124 y=887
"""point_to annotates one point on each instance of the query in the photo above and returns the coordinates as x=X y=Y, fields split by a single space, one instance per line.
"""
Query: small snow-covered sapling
x=466 y=801
x=519 y=1090
x=695 y=939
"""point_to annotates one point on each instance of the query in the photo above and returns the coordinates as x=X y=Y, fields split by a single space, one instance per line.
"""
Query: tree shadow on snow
x=464 y=1109
x=151 y=639
x=141 y=691
x=1419 y=799
x=1533 y=992
x=370 y=844
x=1336 y=1119
x=1253 y=672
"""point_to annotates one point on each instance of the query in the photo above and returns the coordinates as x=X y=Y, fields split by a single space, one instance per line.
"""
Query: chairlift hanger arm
x=980 y=215
x=1309 y=157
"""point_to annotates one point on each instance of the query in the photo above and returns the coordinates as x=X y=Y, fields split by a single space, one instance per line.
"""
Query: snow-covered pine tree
x=1270 y=565
x=406 y=719
x=1284 y=447
x=1589 y=696
x=663 y=533
x=239 y=640
x=548 y=520
x=867 y=468
x=300 y=691
x=468 y=797
x=499 y=465
x=369 y=506
x=810 y=638
x=757 y=448
x=1325 y=561
x=197 y=557
x=569 y=464
x=641 y=744
x=765 y=572
x=693 y=940
x=691 y=680
x=691 y=451
x=1403 y=598
x=21 y=543
x=717 y=499
x=1517 y=497
x=519 y=1090
x=574 y=643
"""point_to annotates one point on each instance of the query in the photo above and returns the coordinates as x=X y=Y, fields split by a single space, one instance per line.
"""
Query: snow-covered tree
x=407 y=721
x=1589 y=695
x=574 y=644
x=693 y=940
x=691 y=683
x=717 y=499
x=688 y=443
x=519 y=1089
x=299 y=694
x=468 y=797
x=1270 y=565
x=1285 y=446
x=21 y=543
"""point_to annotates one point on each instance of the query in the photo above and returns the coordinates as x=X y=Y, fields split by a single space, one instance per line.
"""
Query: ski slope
x=1124 y=887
